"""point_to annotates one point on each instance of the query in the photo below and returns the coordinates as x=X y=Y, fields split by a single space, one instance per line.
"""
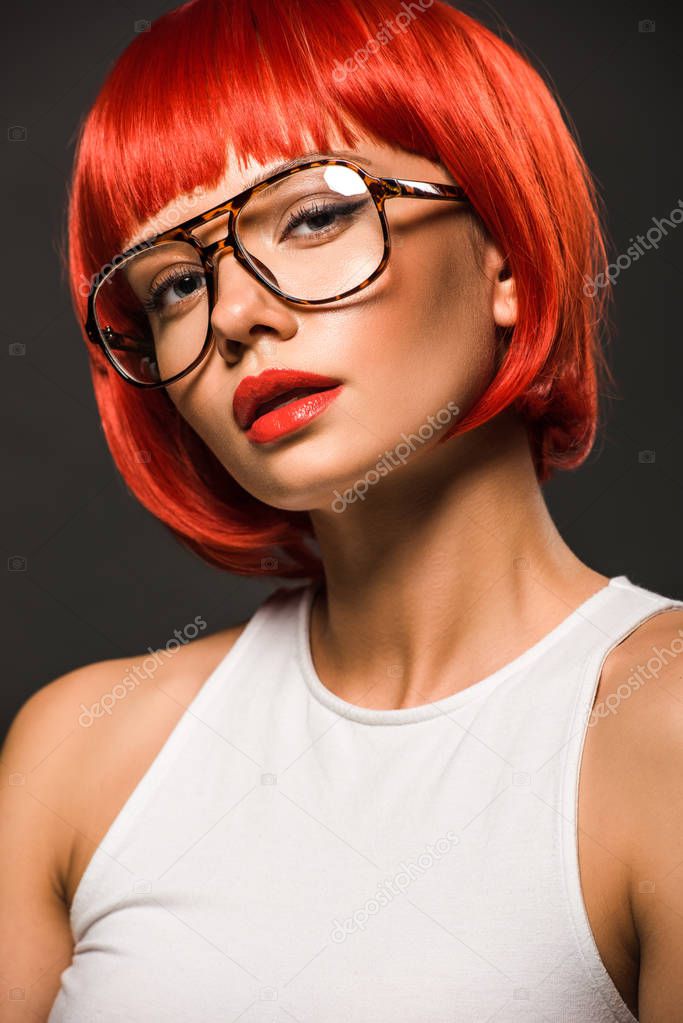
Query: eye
x=320 y=219
x=177 y=285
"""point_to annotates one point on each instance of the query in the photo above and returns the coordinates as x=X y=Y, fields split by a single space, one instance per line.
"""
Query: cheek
x=430 y=335
x=203 y=402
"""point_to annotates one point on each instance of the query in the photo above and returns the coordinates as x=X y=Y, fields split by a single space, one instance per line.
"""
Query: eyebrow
x=275 y=168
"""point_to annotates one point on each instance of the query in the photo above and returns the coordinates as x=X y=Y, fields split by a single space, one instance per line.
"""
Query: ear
x=504 y=291
x=505 y=298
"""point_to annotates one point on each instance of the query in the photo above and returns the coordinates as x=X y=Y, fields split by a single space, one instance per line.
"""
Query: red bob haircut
x=264 y=74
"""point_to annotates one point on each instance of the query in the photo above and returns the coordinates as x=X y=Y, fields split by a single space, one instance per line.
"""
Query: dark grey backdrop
x=97 y=576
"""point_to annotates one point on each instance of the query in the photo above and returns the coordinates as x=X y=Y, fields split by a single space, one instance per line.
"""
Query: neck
x=450 y=568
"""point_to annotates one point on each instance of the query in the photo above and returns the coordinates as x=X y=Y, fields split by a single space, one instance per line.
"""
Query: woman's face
x=421 y=336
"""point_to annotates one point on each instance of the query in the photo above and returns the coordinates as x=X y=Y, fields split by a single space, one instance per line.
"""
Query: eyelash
x=151 y=304
x=315 y=210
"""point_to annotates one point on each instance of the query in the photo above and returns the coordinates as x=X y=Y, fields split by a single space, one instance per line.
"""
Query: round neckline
x=426 y=711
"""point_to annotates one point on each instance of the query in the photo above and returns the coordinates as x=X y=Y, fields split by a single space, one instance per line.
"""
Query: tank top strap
x=626 y=607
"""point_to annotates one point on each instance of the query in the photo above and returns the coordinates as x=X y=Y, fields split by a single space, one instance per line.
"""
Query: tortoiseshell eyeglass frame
x=380 y=190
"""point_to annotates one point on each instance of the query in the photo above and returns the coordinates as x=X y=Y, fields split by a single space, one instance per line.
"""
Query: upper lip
x=254 y=391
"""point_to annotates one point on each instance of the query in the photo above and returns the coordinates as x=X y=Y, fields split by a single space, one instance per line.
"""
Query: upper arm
x=651 y=730
x=35 y=937
x=61 y=785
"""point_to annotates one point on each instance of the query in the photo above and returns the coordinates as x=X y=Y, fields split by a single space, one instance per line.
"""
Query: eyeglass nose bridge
x=229 y=244
x=222 y=245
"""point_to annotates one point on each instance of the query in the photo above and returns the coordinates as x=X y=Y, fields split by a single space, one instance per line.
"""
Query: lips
x=257 y=395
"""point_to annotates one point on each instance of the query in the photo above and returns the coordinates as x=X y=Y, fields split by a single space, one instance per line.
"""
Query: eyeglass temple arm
x=113 y=336
x=423 y=190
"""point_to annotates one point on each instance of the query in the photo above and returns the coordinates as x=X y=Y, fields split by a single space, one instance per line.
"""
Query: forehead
x=239 y=174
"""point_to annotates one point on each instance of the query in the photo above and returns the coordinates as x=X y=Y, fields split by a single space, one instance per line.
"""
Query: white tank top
x=289 y=856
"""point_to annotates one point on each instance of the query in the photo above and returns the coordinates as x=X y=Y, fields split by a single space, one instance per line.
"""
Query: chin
x=306 y=478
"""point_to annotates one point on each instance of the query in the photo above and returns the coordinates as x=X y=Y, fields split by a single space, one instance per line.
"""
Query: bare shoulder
x=638 y=714
x=641 y=686
x=79 y=745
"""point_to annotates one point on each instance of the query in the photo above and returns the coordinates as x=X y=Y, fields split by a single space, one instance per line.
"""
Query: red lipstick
x=277 y=402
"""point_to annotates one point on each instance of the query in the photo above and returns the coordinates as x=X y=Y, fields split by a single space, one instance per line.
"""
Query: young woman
x=336 y=268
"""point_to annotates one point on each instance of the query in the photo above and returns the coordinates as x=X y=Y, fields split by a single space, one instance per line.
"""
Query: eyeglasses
x=312 y=234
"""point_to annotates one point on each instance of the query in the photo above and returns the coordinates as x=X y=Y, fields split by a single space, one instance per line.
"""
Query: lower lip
x=291 y=417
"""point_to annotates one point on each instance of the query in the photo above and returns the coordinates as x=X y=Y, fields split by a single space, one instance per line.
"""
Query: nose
x=245 y=313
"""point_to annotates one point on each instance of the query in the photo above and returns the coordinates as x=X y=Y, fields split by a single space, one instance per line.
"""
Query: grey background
x=102 y=578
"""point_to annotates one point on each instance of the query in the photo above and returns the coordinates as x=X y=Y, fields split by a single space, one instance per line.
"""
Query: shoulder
x=77 y=747
x=56 y=709
x=640 y=695
x=643 y=669
x=640 y=715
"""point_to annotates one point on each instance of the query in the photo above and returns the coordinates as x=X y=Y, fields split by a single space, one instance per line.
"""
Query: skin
x=449 y=569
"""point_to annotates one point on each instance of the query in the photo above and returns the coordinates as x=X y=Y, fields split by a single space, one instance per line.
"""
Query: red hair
x=261 y=74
